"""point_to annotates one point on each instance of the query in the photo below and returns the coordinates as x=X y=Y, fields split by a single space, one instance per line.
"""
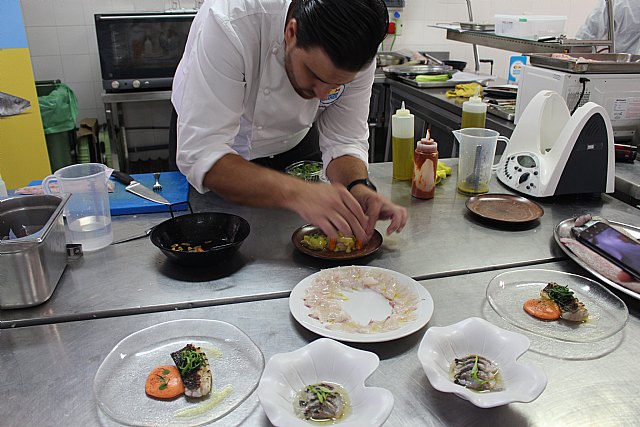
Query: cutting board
x=175 y=189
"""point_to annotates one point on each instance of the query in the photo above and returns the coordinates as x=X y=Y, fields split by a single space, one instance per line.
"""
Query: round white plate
x=119 y=383
x=508 y=291
x=362 y=307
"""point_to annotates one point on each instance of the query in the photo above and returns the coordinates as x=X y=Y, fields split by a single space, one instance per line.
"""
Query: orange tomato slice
x=164 y=382
x=544 y=309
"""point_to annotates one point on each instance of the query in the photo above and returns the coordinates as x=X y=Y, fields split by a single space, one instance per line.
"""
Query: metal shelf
x=490 y=39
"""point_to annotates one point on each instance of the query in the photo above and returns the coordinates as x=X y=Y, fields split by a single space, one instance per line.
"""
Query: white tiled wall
x=63 y=45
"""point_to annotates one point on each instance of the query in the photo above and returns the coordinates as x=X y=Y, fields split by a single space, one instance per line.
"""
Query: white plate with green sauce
x=236 y=365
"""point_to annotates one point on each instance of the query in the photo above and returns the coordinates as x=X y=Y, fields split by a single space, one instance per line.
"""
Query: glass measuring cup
x=476 y=156
x=87 y=213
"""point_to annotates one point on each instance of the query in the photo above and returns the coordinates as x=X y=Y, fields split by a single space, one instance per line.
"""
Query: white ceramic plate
x=324 y=360
x=508 y=291
x=119 y=383
x=362 y=306
x=442 y=345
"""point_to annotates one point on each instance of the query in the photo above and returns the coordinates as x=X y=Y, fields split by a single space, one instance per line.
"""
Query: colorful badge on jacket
x=333 y=96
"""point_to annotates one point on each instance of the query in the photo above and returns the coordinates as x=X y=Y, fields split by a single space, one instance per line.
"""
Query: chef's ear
x=290 y=31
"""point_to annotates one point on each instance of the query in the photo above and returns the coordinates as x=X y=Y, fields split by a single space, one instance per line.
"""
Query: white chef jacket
x=232 y=93
x=626 y=25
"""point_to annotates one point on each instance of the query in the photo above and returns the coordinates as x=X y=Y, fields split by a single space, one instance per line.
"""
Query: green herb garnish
x=474 y=371
x=190 y=360
x=560 y=294
x=163 y=386
x=321 y=391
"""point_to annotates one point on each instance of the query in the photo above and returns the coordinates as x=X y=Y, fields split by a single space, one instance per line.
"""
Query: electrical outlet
x=396 y=17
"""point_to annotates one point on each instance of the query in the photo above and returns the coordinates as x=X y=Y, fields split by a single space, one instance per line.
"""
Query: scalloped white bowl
x=323 y=360
x=441 y=345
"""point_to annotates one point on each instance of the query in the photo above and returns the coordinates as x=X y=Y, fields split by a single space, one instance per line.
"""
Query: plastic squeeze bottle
x=425 y=164
x=474 y=112
x=3 y=188
x=402 y=144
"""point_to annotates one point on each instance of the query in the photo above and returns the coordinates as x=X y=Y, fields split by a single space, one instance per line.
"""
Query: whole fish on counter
x=11 y=105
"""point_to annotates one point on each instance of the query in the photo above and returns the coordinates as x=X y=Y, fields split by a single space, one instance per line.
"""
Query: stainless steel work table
x=47 y=371
x=628 y=182
x=441 y=239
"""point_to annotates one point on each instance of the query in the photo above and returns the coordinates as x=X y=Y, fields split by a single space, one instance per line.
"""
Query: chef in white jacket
x=626 y=25
x=255 y=76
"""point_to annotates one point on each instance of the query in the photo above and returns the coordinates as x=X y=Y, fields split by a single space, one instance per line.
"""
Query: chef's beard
x=304 y=93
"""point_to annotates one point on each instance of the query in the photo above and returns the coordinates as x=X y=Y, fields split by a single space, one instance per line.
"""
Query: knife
x=133 y=186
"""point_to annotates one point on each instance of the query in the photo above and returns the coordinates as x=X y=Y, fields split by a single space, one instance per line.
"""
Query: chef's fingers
x=398 y=219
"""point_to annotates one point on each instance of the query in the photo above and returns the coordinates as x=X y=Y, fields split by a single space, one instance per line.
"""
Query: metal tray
x=414 y=70
x=412 y=81
x=477 y=26
x=502 y=112
x=564 y=238
x=615 y=63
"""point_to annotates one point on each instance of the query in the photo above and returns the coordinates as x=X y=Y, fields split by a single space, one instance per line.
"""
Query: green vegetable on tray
x=432 y=78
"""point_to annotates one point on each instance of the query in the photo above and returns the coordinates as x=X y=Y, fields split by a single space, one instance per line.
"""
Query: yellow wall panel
x=23 y=148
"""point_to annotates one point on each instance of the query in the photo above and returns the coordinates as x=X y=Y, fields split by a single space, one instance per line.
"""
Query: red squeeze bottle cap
x=427 y=144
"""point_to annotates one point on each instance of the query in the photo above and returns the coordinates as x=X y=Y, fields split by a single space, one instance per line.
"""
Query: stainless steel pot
x=33 y=251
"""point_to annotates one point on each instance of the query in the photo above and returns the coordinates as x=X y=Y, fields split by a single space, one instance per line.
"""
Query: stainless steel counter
x=628 y=182
x=47 y=371
x=441 y=239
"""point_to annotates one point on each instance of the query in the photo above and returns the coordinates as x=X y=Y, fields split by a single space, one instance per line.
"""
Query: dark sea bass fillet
x=11 y=105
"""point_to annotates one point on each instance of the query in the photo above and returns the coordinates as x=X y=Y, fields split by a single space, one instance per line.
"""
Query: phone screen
x=609 y=242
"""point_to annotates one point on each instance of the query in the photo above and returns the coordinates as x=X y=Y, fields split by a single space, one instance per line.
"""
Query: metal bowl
x=457 y=65
x=219 y=234
x=386 y=59
x=308 y=170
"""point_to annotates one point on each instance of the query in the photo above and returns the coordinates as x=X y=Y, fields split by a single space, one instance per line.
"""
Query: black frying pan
x=218 y=234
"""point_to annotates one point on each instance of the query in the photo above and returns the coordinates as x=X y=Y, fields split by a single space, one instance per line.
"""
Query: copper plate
x=504 y=208
x=372 y=245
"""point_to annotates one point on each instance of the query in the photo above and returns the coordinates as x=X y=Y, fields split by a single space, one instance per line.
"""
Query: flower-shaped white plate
x=323 y=360
x=362 y=306
x=119 y=383
x=441 y=345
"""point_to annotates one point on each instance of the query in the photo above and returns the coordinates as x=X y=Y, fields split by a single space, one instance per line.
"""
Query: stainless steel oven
x=140 y=51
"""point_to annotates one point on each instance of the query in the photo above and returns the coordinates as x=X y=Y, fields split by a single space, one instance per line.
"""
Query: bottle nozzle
x=402 y=111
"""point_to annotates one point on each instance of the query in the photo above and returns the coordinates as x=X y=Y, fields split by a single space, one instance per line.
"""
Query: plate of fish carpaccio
x=361 y=304
x=185 y=372
x=558 y=305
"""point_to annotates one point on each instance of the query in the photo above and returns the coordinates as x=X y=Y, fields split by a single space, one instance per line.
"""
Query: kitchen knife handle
x=122 y=177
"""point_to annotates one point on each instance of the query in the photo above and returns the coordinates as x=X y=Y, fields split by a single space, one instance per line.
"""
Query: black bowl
x=457 y=65
x=222 y=232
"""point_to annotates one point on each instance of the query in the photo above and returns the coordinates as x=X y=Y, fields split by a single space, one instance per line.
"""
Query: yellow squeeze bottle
x=402 y=138
x=474 y=112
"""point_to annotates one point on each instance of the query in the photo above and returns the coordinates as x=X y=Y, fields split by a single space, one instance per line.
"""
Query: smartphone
x=613 y=245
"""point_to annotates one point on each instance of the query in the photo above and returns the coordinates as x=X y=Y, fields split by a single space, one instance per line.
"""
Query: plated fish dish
x=326 y=295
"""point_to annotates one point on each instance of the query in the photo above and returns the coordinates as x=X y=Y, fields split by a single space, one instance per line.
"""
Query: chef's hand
x=378 y=207
x=331 y=208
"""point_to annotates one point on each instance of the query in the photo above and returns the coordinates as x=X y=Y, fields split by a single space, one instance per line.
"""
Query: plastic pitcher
x=476 y=156
x=87 y=213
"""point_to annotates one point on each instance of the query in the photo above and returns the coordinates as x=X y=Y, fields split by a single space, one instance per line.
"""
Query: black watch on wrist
x=364 y=181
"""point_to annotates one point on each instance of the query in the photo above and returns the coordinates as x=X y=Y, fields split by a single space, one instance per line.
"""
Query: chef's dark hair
x=349 y=31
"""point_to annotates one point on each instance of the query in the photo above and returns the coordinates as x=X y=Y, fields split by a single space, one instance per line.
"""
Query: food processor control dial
x=521 y=172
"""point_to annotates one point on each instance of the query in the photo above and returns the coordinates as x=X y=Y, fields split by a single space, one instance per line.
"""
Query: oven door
x=141 y=51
